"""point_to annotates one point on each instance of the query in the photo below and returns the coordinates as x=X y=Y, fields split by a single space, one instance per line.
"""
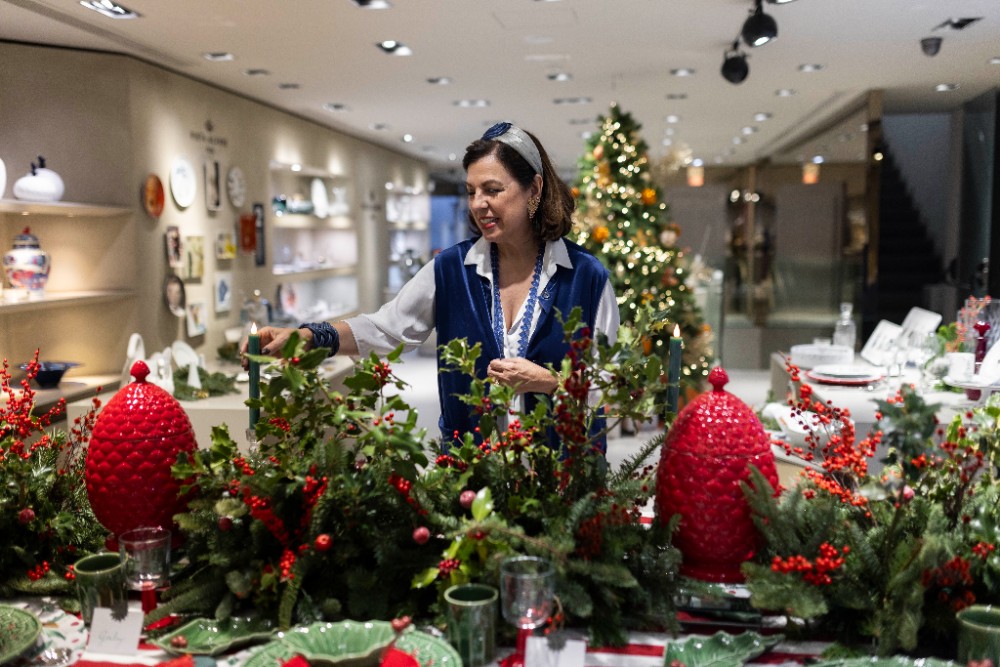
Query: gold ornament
x=598 y=151
x=600 y=234
x=649 y=196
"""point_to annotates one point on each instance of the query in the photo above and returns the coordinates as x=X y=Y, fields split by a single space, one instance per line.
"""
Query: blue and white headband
x=517 y=139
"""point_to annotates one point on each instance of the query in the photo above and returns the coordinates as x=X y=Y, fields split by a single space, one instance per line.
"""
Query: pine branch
x=632 y=464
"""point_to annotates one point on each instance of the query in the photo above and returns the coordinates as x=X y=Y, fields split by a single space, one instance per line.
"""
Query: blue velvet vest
x=462 y=310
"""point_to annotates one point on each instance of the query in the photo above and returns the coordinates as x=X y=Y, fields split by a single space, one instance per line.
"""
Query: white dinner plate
x=845 y=371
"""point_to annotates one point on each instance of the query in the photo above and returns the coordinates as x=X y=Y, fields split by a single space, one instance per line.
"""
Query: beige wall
x=104 y=122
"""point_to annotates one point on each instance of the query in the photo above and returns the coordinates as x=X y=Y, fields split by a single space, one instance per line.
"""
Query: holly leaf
x=482 y=506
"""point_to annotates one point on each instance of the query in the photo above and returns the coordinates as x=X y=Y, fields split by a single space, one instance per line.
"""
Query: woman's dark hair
x=554 y=217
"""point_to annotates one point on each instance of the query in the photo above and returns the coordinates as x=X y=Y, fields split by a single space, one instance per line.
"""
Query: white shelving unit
x=314 y=243
x=407 y=214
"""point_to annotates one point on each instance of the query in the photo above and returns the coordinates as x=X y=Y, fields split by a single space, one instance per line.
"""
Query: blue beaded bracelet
x=324 y=335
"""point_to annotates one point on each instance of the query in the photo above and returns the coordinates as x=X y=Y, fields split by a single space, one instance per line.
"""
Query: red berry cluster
x=260 y=509
x=280 y=423
x=447 y=566
x=286 y=564
x=983 y=549
x=381 y=372
x=590 y=534
x=243 y=465
x=404 y=485
x=953 y=581
x=70 y=573
x=816 y=572
x=39 y=571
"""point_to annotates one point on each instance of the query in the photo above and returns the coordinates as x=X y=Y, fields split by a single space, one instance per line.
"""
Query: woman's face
x=498 y=203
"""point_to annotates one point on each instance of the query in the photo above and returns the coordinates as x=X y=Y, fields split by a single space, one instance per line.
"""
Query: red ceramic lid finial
x=27 y=230
x=718 y=378
x=139 y=370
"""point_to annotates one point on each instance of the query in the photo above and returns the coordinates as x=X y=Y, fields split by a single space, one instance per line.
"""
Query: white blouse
x=409 y=318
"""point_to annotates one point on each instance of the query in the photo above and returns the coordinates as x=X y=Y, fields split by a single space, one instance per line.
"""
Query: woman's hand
x=523 y=375
x=272 y=339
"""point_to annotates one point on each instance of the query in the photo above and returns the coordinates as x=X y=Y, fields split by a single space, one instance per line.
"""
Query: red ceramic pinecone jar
x=136 y=440
x=707 y=453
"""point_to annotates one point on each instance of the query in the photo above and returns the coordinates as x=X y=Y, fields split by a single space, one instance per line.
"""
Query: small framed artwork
x=197 y=322
x=173 y=295
x=223 y=291
x=173 y=247
x=213 y=185
x=248 y=233
x=194 y=258
x=259 y=255
x=225 y=245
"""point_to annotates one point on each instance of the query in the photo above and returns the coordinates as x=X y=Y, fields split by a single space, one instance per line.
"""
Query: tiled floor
x=420 y=372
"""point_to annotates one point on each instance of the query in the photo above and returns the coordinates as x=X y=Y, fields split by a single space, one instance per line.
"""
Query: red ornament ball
x=705 y=457
x=136 y=440
x=26 y=516
x=225 y=523
x=421 y=534
x=323 y=542
x=467 y=498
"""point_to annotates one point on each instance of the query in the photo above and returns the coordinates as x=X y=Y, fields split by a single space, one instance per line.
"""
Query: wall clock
x=236 y=186
x=183 y=182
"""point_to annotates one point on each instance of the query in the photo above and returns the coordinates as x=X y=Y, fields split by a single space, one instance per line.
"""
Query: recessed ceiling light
x=439 y=80
x=218 y=56
x=472 y=104
x=379 y=127
x=810 y=67
x=945 y=87
x=673 y=118
x=394 y=48
x=697 y=162
x=817 y=159
x=682 y=71
x=784 y=92
x=677 y=96
x=572 y=100
x=296 y=167
x=452 y=157
x=257 y=72
x=761 y=116
x=110 y=9
x=407 y=138
x=739 y=140
x=289 y=86
x=545 y=57
x=668 y=142
x=995 y=60
x=373 y=4
x=748 y=130
x=560 y=76
x=335 y=107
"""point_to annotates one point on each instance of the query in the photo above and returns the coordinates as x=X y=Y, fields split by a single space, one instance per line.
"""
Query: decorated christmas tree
x=623 y=220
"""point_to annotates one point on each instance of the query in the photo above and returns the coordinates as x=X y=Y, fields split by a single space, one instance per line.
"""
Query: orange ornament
x=576 y=192
x=600 y=234
x=649 y=196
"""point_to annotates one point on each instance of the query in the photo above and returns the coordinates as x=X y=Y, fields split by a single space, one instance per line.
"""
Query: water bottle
x=844 y=332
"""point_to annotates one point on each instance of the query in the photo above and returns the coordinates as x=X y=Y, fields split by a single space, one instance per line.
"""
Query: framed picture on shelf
x=225 y=245
x=260 y=257
x=223 y=291
x=173 y=247
x=194 y=258
x=197 y=321
x=213 y=185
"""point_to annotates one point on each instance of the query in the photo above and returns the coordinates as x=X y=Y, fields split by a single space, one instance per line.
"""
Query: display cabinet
x=92 y=257
x=407 y=214
x=314 y=244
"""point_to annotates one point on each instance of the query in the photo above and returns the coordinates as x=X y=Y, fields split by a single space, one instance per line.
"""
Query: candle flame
x=253 y=329
x=677 y=331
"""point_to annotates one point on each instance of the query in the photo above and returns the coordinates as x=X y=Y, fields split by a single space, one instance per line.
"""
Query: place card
x=115 y=637
x=539 y=653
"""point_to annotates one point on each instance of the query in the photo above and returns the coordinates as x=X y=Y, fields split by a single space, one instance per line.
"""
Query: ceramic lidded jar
x=706 y=455
x=136 y=439
x=26 y=264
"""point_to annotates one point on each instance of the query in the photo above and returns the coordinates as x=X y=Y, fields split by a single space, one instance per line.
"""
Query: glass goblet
x=527 y=594
x=145 y=554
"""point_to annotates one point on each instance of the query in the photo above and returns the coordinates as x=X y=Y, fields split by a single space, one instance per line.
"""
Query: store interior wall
x=105 y=122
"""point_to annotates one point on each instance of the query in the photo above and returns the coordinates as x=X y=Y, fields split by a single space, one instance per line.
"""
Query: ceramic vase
x=26 y=264
x=706 y=455
x=40 y=184
x=136 y=439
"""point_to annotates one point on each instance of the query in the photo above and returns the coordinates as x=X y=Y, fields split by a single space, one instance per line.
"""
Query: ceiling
x=507 y=52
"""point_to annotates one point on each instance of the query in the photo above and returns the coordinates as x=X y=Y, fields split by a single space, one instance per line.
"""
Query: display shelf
x=309 y=221
x=315 y=272
x=62 y=209
x=73 y=388
x=60 y=299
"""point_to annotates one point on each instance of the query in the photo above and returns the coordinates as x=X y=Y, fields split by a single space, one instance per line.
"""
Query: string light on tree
x=623 y=220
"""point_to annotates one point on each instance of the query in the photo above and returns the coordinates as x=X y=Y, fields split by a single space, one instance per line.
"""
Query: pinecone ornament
x=136 y=440
x=707 y=453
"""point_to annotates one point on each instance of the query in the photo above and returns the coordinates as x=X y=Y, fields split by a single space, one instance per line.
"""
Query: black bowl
x=50 y=372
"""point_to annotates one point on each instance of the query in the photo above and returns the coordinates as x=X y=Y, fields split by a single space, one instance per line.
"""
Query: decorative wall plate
x=153 y=196
x=183 y=182
x=236 y=187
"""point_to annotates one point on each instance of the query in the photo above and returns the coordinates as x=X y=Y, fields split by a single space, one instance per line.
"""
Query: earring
x=533 y=207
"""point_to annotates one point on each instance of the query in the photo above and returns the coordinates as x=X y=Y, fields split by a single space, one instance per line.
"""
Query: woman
x=504 y=288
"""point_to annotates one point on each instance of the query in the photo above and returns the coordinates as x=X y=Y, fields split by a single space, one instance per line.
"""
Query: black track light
x=759 y=28
x=734 y=65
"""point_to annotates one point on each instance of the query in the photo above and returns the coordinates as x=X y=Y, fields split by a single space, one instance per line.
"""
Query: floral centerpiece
x=45 y=518
x=346 y=509
x=885 y=557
